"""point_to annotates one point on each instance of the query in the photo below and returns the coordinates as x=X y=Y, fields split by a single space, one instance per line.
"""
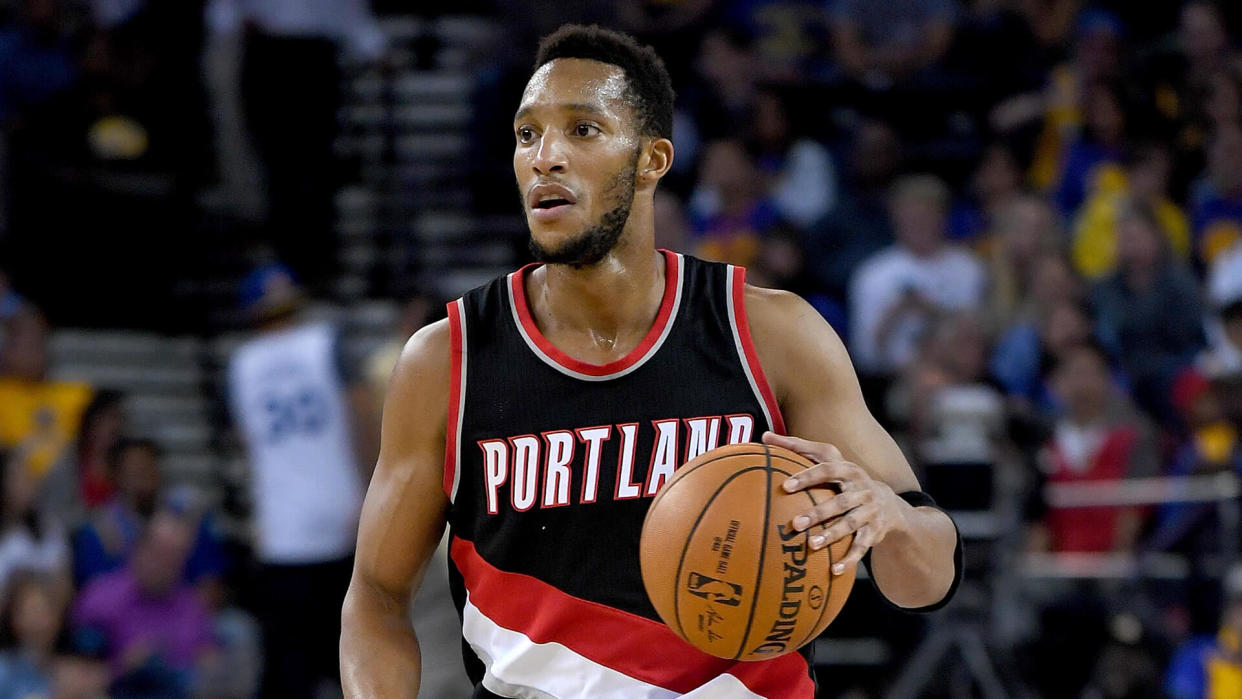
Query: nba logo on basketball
x=718 y=591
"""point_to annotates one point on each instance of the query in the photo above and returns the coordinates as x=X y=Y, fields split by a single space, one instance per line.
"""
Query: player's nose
x=550 y=156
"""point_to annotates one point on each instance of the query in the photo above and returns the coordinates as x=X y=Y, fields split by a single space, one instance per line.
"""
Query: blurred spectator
x=1060 y=105
x=1210 y=666
x=82 y=480
x=673 y=29
x=1211 y=446
x=788 y=36
x=36 y=59
x=996 y=183
x=1202 y=53
x=1129 y=666
x=731 y=211
x=106 y=540
x=10 y=301
x=1189 y=80
x=1203 y=40
x=290 y=96
x=1224 y=278
x=1149 y=309
x=781 y=264
x=125 y=146
x=804 y=179
x=1029 y=349
x=1146 y=180
x=897 y=292
x=298 y=409
x=1051 y=21
x=881 y=43
x=956 y=414
x=1223 y=358
x=1098 y=437
x=38 y=417
x=157 y=631
x=30 y=629
x=1216 y=198
x=28 y=539
x=858 y=225
x=1025 y=232
x=723 y=95
x=1092 y=161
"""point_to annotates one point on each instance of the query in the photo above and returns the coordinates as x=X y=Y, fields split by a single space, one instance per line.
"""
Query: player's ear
x=656 y=161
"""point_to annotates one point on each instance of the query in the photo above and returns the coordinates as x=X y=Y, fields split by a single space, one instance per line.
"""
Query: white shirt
x=21 y=551
x=348 y=22
x=952 y=279
x=806 y=187
x=289 y=401
x=1224 y=282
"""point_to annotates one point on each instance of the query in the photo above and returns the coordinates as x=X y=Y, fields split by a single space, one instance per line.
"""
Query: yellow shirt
x=1095 y=232
x=1224 y=678
x=39 y=419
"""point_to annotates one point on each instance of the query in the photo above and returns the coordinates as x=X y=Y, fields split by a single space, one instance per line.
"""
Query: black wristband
x=918 y=498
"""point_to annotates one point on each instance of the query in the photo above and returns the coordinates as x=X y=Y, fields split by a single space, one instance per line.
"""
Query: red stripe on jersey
x=748 y=347
x=453 y=427
x=518 y=289
x=637 y=646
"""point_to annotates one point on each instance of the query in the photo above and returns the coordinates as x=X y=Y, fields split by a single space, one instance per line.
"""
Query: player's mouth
x=548 y=202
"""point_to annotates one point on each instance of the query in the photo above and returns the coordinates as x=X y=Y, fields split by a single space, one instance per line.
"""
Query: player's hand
x=865 y=507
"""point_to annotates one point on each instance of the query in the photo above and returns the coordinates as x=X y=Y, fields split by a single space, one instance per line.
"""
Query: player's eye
x=585 y=130
x=525 y=134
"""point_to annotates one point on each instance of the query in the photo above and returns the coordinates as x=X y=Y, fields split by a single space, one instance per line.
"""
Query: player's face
x=575 y=159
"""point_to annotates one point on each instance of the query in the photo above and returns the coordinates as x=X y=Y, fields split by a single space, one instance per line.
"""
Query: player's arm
x=912 y=548
x=402 y=521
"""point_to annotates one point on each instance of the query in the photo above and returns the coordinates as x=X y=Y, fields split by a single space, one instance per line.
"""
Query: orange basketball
x=723 y=565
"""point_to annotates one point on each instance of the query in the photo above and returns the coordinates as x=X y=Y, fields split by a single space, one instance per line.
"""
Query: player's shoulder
x=427 y=352
x=779 y=310
x=793 y=340
x=425 y=364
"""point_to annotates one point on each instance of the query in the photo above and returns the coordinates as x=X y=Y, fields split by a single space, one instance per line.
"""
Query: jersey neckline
x=552 y=356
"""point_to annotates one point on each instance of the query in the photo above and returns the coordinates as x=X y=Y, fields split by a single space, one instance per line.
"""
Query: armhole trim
x=457 y=398
x=746 y=349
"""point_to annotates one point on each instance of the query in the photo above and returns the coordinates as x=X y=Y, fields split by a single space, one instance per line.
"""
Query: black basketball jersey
x=550 y=466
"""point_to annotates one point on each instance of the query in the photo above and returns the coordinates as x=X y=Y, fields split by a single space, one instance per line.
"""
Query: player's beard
x=591 y=245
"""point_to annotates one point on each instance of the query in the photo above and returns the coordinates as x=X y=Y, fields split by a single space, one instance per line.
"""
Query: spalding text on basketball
x=795 y=553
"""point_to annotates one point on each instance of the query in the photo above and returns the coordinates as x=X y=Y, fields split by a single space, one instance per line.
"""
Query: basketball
x=722 y=563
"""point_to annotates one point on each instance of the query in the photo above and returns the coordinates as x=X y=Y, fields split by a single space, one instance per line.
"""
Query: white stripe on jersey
x=518 y=667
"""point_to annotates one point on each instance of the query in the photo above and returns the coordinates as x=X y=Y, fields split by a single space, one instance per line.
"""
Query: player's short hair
x=649 y=90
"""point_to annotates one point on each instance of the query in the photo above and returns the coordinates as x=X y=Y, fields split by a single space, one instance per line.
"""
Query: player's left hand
x=865 y=507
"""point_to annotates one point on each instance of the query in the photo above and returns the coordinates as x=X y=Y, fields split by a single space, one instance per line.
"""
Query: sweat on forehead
x=578 y=84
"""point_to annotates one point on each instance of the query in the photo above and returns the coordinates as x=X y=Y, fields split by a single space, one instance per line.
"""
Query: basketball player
x=541 y=417
x=294 y=405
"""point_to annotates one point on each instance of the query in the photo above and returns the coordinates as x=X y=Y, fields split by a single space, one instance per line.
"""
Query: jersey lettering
x=525 y=472
x=740 y=428
x=594 y=438
x=556 y=472
x=664 y=456
x=495 y=470
x=543 y=471
x=626 y=488
x=703 y=435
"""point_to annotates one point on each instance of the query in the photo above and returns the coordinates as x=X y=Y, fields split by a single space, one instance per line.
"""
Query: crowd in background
x=1024 y=217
